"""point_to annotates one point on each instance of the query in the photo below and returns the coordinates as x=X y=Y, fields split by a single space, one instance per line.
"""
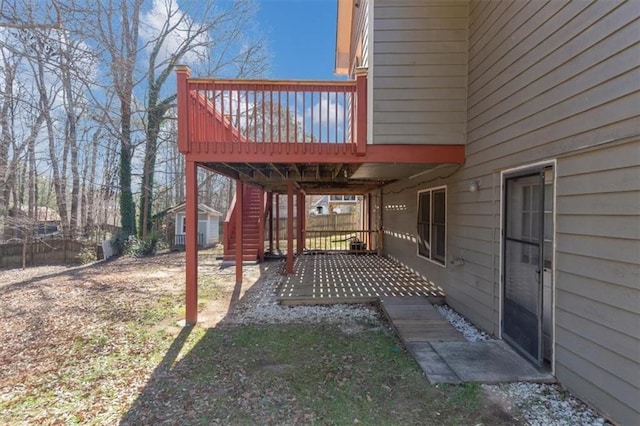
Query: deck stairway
x=251 y=235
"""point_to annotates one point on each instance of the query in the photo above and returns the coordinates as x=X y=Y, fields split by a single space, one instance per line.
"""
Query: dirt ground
x=43 y=308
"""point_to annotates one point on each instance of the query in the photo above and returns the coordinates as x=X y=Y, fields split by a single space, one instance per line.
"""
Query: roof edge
x=344 y=22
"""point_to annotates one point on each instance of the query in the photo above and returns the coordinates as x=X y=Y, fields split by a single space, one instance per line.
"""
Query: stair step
x=252 y=213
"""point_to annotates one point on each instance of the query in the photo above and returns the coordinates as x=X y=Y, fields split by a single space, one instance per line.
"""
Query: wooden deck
x=351 y=278
x=416 y=320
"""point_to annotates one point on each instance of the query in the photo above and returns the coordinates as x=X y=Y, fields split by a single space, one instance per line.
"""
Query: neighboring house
x=208 y=225
x=497 y=143
x=44 y=222
x=326 y=204
x=319 y=204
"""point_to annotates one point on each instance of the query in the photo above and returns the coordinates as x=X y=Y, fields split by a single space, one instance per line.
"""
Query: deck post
x=363 y=221
x=304 y=221
x=261 y=226
x=191 y=243
x=299 y=222
x=270 y=206
x=361 y=112
x=277 y=222
x=289 y=227
x=182 y=75
x=370 y=236
x=239 y=214
x=380 y=223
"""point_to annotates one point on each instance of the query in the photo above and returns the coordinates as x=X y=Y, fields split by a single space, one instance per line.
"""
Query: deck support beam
x=277 y=222
x=261 y=226
x=239 y=214
x=300 y=222
x=270 y=207
x=304 y=221
x=191 y=243
x=289 y=227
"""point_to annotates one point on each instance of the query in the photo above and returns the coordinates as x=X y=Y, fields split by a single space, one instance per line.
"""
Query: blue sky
x=301 y=35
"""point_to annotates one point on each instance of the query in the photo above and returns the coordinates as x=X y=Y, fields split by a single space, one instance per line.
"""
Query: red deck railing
x=299 y=114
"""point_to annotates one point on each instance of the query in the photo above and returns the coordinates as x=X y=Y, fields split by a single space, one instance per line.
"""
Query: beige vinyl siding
x=419 y=73
x=550 y=80
x=598 y=276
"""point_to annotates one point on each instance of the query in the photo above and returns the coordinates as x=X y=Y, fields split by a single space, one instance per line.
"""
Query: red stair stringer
x=251 y=235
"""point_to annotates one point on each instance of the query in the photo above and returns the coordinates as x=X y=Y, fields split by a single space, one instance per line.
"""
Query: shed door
x=524 y=261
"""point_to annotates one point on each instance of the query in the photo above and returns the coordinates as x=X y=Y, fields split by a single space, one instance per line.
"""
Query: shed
x=208 y=225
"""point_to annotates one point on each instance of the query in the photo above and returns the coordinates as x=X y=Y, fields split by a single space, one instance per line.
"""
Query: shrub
x=87 y=254
x=137 y=247
x=119 y=243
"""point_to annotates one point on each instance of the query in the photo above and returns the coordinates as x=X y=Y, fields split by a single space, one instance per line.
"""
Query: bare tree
x=216 y=41
x=117 y=25
x=20 y=124
x=19 y=15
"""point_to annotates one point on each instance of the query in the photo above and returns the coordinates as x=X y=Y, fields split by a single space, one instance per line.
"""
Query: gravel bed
x=545 y=404
x=460 y=323
x=539 y=404
x=259 y=306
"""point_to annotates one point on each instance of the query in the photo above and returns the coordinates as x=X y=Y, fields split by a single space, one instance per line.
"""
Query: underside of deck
x=351 y=278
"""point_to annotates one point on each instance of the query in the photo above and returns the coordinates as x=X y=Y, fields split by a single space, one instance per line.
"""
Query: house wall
x=214 y=230
x=419 y=72
x=360 y=36
x=598 y=277
x=551 y=82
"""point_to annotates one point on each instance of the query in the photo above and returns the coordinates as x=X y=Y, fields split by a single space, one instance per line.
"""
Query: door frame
x=504 y=174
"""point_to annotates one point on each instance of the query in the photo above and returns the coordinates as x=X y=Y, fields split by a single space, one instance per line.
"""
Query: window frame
x=430 y=225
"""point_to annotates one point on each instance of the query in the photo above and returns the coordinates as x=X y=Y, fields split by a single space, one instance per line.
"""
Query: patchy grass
x=295 y=374
x=210 y=288
x=99 y=346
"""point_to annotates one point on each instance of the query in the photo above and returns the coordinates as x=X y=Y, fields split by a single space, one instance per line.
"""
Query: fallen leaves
x=92 y=345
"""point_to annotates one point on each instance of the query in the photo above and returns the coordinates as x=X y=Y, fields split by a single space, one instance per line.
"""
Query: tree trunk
x=90 y=181
x=154 y=121
x=127 y=209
